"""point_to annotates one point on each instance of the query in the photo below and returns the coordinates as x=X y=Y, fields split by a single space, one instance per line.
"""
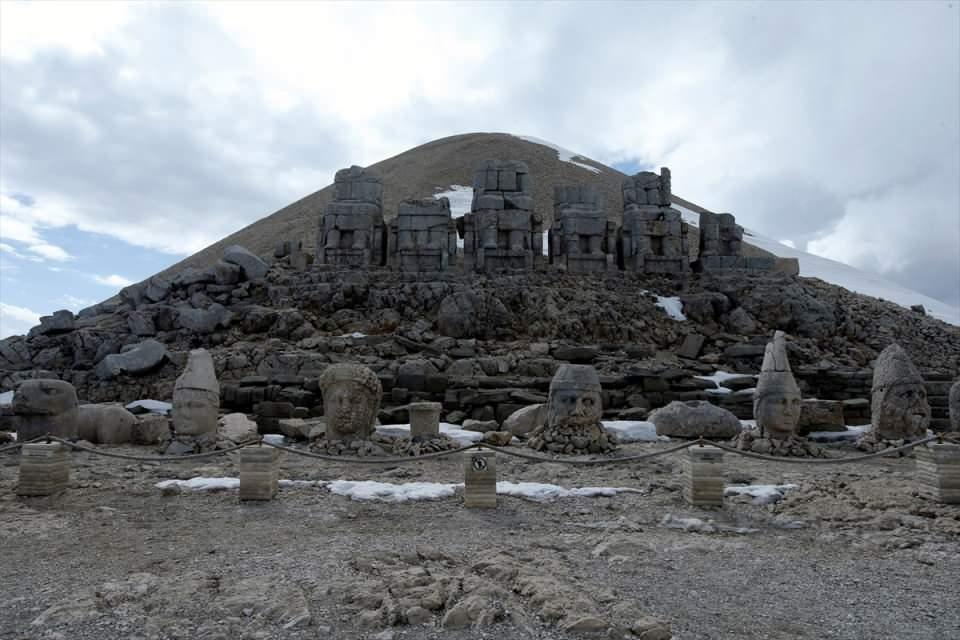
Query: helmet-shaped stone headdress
x=350 y=373
x=775 y=374
x=894 y=367
x=576 y=376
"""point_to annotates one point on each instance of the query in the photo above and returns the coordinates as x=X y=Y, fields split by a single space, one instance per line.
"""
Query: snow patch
x=201 y=483
x=672 y=306
x=852 y=433
x=355 y=334
x=540 y=492
x=564 y=155
x=454 y=431
x=151 y=406
x=273 y=438
x=460 y=197
x=761 y=493
x=6 y=399
x=634 y=431
x=364 y=490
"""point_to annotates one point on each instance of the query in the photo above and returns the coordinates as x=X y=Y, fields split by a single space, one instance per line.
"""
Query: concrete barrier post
x=938 y=472
x=480 y=481
x=703 y=476
x=259 y=473
x=44 y=469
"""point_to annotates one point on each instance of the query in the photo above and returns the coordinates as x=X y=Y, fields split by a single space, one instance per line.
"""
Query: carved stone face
x=574 y=407
x=195 y=411
x=777 y=414
x=350 y=410
x=900 y=411
x=42 y=397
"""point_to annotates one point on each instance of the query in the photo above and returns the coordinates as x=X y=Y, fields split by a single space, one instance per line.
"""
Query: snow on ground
x=838 y=273
x=273 y=438
x=202 y=483
x=564 y=154
x=355 y=334
x=460 y=197
x=719 y=377
x=151 y=406
x=761 y=493
x=540 y=492
x=634 y=431
x=462 y=436
x=6 y=398
x=672 y=305
x=363 y=490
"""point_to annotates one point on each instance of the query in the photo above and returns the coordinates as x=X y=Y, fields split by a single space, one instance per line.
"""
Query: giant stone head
x=898 y=404
x=776 y=403
x=351 y=400
x=574 y=396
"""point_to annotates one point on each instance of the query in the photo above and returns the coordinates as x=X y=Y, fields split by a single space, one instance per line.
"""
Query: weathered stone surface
x=692 y=344
x=472 y=315
x=523 y=421
x=820 y=415
x=954 y=400
x=423 y=236
x=694 y=419
x=351 y=231
x=898 y=406
x=105 y=424
x=44 y=397
x=581 y=238
x=140 y=358
x=481 y=426
x=351 y=399
x=196 y=396
x=237 y=428
x=61 y=321
x=653 y=236
x=151 y=429
x=141 y=324
x=251 y=265
x=574 y=409
x=776 y=403
x=204 y=321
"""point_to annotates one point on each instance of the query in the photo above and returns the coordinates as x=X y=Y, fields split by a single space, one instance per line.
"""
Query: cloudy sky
x=134 y=134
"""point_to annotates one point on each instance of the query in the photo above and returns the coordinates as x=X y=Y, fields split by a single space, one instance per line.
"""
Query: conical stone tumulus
x=196 y=396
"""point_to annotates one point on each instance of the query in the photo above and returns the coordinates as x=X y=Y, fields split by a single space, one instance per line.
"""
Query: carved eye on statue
x=588 y=402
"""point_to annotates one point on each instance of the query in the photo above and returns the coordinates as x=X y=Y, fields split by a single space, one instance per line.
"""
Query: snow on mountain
x=564 y=154
x=838 y=273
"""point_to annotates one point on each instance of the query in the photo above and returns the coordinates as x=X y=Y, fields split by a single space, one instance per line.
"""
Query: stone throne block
x=502 y=231
x=423 y=236
x=352 y=232
x=653 y=237
x=581 y=239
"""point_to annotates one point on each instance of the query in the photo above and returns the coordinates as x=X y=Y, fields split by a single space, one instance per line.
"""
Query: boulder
x=196 y=396
x=140 y=323
x=105 y=424
x=204 y=321
x=60 y=322
x=227 y=273
x=192 y=275
x=470 y=314
x=481 y=426
x=523 y=421
x=694 y=419
x=134 y=360
x=151 y=429
x=820 y=415
x=237 y=427
x=251 y=265
x=157 y=288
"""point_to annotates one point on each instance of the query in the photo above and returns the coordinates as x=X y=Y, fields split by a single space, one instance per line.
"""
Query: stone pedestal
x=259 y=475
x=424 y=419
x=480 y=480
x=44 y=469
x=703 y=476
x=938 y=472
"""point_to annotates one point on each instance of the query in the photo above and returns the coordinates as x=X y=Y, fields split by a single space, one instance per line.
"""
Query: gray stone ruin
x=653 y=237
x=721 y=241
x=291 y=252
x=352 y=232
x=581 y=238
x=351 y=400
x=423 y=236
x=502 y=231
x=899 y=411
x=196 y=406
x=776 y=407
x=43 y=407
x=574 y=410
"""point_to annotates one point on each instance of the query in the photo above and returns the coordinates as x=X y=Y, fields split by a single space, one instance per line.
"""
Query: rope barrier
x=372 y=459
x=597 y=461
x=844 y=460
x=122 y=456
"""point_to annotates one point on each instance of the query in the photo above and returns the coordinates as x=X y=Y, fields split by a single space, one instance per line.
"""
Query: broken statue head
x=351 y=400
x=574 y=396
x=776 y=403
x=898 y=406
x=196 y=396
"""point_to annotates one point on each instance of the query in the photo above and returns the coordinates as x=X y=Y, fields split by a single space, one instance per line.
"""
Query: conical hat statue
x=894 y=367
x=775 y=374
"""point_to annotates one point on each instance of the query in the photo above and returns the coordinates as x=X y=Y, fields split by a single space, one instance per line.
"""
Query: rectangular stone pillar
x=703 y=476
x=938 y=472
x=259 y=473
x=44 y=469
x=480 y=482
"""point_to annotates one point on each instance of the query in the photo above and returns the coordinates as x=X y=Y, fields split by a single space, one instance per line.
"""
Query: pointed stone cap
x=576 y=376
x=894 y=367
x=199 y=373
x=775 y=374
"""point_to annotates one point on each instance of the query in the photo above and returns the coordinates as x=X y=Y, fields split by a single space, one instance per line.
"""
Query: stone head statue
x=43 y=397
x=776 y=403
x=898 y=403
x=196 y=396
x=574 y=396
x=351 y=400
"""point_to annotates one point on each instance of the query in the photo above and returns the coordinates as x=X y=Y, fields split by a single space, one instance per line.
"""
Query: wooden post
x=480 y=480
x=259 y=475
x=44 y=469
x=938 y=472
x=703 y=476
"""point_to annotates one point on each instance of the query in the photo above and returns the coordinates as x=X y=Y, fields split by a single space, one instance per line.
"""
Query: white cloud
x=74 y=303
x=16 y=320
x=77 y=27
x=113 y=280
x=20 y=223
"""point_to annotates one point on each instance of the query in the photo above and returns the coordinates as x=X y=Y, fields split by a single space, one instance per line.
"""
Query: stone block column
x=480 y=481
x=259 y=473
x=424 y=419
x=938 y=472
x=44 y=469
x=703 y=476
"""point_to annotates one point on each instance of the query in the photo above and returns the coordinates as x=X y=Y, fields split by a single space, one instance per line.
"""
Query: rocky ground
x=852 y=553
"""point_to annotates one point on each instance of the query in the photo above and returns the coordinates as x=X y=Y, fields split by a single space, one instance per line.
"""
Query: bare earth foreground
x=852 y=553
